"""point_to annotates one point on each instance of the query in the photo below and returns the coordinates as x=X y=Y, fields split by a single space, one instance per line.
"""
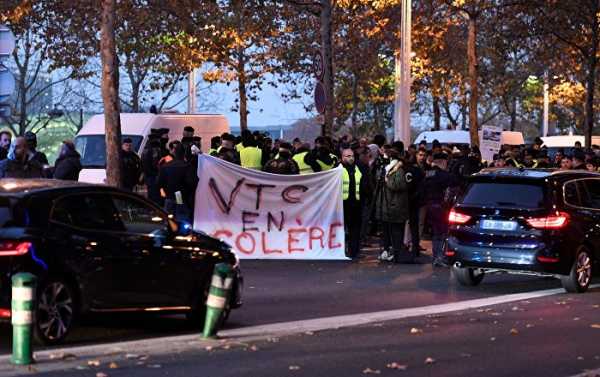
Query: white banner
x=490 y=142
x=271 y=216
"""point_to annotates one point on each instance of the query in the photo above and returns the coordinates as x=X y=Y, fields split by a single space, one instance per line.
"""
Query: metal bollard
x=22 y=306
x=218 y=295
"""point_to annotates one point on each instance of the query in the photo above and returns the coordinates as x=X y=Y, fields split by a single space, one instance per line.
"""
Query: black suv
x=100 y=249
x=539 y=222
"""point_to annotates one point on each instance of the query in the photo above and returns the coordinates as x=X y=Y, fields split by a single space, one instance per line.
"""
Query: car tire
x=580 y=276
x=56 y=311
x=468 y=277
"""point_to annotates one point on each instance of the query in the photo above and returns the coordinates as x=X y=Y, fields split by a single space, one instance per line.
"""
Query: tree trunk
x=327 y=51
x=354 y=116
x=135 y=96
x=110 y=94
x=591 y=84
x=513 y=114
x=243 y=96
x=437 y=115
x=473 y=76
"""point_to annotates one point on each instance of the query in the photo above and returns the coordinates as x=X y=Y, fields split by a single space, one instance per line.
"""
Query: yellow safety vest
x=304 y=167
x=251 y=158
x=212 y=152
x=334 y=159
x=239 y=147
x=324 y=166
x=346 y=183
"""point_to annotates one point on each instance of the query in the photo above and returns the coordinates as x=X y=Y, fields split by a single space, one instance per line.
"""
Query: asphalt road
x=278 y=291
x=551 y=336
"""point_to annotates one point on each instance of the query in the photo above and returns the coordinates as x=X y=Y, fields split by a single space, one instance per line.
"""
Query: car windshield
x=499 y=194
x=92 y=149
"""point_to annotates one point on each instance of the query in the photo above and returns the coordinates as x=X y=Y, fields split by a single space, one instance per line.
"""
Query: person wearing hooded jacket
x=68 y=163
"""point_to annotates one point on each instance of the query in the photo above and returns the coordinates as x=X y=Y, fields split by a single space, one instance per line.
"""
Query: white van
x=90 y=140
x=463 y=137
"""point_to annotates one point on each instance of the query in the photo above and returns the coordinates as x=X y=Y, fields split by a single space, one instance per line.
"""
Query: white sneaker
x=386 y=256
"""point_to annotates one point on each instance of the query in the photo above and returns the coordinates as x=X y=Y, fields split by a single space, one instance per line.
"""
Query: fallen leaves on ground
x=154 y=366
x=595 y=325
x=415 y=330
x=253 y=348
x=101 y=374
x=398 y=366
x=294 y=367
x=371 y=371
x=514 y=332
x=493 y=338
x=309 y=333
x=529 y=325
x=131 y=356
x=464 y=354
x=94 y=363
x=113 y=365
x=429 y=360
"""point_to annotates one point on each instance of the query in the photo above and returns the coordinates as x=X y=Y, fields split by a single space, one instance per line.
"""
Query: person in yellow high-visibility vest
x=250 y=154
x=301 y=159
x=351 y=189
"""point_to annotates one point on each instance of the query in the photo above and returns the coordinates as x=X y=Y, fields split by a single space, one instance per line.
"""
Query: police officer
x=283 y=163
x=436 y=182
x=250 y=154
x=131 y=165
x=351 y=194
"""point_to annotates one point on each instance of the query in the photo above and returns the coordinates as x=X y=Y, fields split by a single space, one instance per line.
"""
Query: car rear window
x=500 y=194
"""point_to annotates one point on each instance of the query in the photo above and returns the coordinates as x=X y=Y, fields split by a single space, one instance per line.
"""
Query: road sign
x=320 y=98
x=7 y=41
x=7 y=84
x=319 y=66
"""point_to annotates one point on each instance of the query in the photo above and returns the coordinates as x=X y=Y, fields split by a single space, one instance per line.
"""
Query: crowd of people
x=390 y=190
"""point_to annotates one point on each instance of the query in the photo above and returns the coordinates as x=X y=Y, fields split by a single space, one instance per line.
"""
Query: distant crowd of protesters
x=387 y=189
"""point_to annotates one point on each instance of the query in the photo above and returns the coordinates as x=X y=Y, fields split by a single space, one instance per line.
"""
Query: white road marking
x=171 y=344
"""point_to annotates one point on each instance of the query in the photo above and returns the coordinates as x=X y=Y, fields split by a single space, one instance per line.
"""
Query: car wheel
x=580 y=275
x=56 y=311
x=469 y=277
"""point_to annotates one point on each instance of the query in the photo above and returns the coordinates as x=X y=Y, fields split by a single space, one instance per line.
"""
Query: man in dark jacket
x=131 y=165
x=36 y=155
x=437 y=181
x=18 y=165
x=283 y=163
x=150 y=158
x=391 y=207
x=177 y=183
x=352 y=194
x=68 y=163
x=414 y=179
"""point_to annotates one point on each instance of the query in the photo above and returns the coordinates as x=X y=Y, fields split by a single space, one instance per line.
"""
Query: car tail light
x=5 y=313
x=457 y=217
x=548 y=259
x=557 y=221
x=11 y=248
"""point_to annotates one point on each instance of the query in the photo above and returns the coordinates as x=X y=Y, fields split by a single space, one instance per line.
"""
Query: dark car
x=99 y=249
x=539 y=222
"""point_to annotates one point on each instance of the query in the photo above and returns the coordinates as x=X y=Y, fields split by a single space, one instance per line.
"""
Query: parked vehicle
x=100 y=249
x=538 y=222
x=458 y=137
x=90 y=140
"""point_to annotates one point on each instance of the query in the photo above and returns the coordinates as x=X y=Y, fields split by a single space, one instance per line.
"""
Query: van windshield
x=92 y=149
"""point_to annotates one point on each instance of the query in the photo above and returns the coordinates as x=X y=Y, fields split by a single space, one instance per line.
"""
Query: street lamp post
x=403 y=78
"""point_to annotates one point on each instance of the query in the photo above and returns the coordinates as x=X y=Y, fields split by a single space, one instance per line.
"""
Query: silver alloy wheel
x=584 y=269
x=55 y=311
